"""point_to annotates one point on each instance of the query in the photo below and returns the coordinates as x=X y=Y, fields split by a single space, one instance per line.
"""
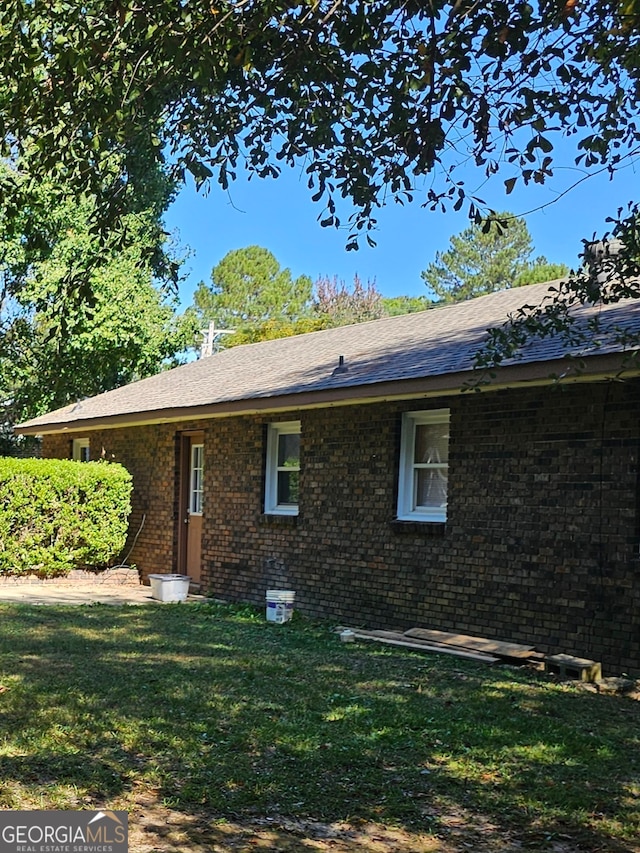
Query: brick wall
x=540 y=545
x=150 y=454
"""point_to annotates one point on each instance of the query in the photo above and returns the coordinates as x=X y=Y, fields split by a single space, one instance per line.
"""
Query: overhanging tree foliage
x=373 y=92
x=371 y=95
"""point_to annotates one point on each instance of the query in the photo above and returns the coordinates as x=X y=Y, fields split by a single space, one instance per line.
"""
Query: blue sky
x=279 y=215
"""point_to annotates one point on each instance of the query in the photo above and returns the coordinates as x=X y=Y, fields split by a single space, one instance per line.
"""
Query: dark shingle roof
x=439 y=343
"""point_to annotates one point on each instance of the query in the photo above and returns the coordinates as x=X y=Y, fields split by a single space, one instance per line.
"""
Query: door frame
x=185 y=441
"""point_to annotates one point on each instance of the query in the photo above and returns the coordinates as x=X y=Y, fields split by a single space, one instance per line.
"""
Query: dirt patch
x=153 y=828
x=156 y=829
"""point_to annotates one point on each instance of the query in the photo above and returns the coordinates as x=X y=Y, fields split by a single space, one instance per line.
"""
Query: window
x=424 y=466
x=80 y=449
x=196 y=481
x=282 y=482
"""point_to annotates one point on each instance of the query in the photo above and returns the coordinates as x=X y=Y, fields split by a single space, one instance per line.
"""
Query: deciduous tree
x=371 y=92
x=396 y=305
x=341 y=305
x=370 y=95
x=55 y=349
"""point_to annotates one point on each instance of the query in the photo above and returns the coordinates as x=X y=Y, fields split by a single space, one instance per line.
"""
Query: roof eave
x=590 y=369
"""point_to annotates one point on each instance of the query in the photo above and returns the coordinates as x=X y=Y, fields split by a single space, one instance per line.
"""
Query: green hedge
x=57 y=515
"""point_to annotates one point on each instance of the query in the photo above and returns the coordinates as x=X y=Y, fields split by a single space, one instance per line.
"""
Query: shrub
x=57 y=515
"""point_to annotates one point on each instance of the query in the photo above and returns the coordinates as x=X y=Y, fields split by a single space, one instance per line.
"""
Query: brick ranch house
x=350 y=466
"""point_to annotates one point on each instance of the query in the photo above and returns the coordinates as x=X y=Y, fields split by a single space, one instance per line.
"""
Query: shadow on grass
x=211 y=712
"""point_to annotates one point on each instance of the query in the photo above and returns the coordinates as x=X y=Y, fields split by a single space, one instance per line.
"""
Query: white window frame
x=80 y=450
x=407 y=480
x=196 y=479
x=271 y=505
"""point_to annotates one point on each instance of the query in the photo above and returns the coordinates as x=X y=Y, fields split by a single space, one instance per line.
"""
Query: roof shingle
x=440 y=342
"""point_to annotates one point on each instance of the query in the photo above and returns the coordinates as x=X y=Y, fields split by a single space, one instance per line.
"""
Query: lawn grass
x=215 y=710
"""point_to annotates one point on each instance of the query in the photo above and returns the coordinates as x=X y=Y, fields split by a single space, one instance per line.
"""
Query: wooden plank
x=434 y=645
x=402 y=637
x=389 y=635
x=479 y=644
x=422 y=646
x=373 y=632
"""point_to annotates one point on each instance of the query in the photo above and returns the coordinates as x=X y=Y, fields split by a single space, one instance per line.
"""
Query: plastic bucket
x=169 y=587
x=280 y=605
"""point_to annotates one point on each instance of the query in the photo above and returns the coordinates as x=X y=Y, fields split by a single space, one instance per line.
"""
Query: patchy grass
x=211 y=712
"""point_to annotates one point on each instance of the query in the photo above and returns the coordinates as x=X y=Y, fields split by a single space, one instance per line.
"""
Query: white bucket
x=280 y=605
x=169 y=587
